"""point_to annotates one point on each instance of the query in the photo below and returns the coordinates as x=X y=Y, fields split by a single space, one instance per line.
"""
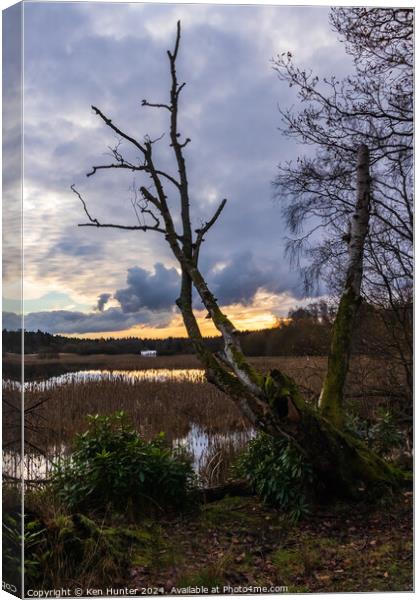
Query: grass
x=231 y=542
x=254 y=544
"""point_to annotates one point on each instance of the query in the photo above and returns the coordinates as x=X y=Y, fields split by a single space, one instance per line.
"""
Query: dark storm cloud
x=235 y=281
x=65 y=321
x=155 y=291
x=243 y=276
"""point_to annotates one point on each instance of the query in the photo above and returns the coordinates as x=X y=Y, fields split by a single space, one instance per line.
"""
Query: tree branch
x=95 y=223
x=119 y=131
x=91 y=219
x=127 y=227
x=203 y=230
x=114 y=166
x=173 y=55
x=155 y=105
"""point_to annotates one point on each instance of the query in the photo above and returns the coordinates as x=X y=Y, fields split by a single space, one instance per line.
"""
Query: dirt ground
x=239 y=542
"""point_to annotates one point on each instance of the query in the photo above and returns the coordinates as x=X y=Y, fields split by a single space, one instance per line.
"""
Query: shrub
x=383 y=436
x=278 y=473
x=112 y=465
x=386 y=435
x=12 y=547
x=66 y=548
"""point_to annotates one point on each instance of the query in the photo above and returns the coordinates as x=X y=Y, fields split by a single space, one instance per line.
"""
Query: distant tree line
x=306 y=332
x=46 y=344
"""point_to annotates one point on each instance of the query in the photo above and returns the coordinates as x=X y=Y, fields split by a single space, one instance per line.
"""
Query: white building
x=150 y=353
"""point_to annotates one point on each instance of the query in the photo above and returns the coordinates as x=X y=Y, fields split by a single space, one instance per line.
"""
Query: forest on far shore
x=306 y=332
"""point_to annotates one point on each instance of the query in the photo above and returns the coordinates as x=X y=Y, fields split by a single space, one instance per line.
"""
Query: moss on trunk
x=331 y=398
x=343 y=464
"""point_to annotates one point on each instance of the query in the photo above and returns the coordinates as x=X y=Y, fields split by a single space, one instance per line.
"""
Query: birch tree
x=335 y=116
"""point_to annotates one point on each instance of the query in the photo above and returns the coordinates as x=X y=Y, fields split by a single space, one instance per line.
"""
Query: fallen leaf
x=323 y=577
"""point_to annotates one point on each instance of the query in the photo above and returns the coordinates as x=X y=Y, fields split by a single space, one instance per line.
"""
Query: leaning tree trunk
x=270 y=402
x=273 y=403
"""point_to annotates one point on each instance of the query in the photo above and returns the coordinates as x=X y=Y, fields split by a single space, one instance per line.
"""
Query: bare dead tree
x=271 y=401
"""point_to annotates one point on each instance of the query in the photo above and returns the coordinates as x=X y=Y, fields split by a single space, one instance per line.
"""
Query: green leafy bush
x=386 y=435
x=382 y=436
x=112 y=465
x=278 y=473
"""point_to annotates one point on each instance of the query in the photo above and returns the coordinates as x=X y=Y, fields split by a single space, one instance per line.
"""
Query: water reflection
x=128 y=376
x=211 y=455
x=195 y=416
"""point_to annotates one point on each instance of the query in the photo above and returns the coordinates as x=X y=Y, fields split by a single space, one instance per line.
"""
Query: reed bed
x=172 y=406
x=166 y=394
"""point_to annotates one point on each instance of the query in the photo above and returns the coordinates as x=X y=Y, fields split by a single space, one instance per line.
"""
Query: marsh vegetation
x=254 y=540
x=170 y=394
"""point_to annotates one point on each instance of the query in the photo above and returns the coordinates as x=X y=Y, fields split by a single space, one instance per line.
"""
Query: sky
x=103 y=282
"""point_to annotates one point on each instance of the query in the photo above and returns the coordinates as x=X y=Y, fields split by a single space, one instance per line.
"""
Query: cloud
x=239 y=280
x=65 y=321
x=149 y=297
x=155 y=291
x=75 y=56
x=102 y=300
x=234 y=281
x=11 y=321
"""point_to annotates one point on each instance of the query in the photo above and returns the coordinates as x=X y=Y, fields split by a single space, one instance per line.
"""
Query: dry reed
x=174 y=405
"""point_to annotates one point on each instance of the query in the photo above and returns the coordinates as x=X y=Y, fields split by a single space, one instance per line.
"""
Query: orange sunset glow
x=244 y=320
x=264 y=313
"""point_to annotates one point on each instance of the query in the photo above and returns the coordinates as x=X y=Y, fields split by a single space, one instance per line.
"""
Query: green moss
x=156 y=557
x=153 y=549
x=298 y=589
x=331 y=401
x=210 y=576
x=364 y=465
x=278 y=385
x=243 y=364
x=76 y=546
x=229 y=511
x=134 y=535
x=284 y=557
x=342 y=462
x=221 y=318
x=327 y=564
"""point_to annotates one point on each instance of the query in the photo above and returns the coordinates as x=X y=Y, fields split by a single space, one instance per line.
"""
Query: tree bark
x=332 y=394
